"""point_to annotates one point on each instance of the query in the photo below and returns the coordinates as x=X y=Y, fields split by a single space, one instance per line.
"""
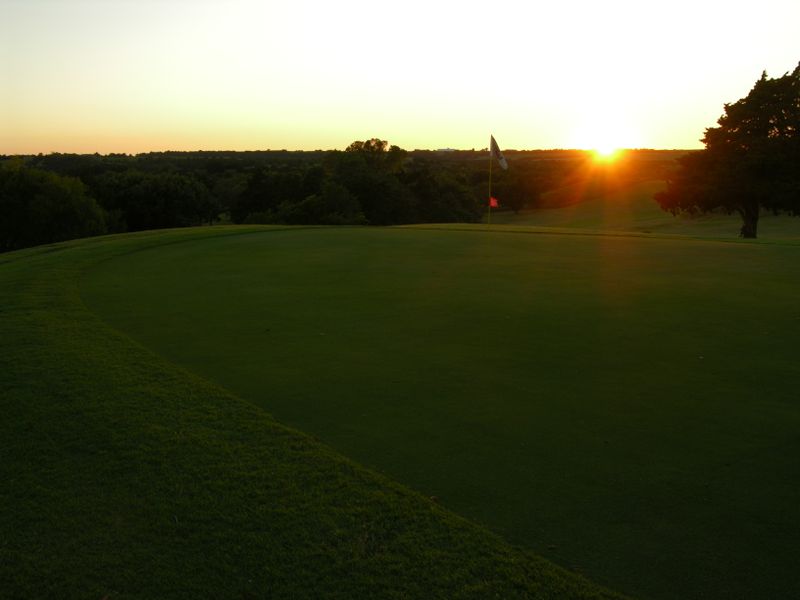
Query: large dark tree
x=39 y=207
x=368 y=170
x=379 y=155
x=751 y=160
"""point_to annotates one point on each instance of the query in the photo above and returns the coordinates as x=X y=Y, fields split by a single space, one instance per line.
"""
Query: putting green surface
x=126 y=477
x=625 y=406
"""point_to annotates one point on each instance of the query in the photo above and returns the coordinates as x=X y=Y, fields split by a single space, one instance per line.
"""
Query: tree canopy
x=368 y=183
x=39 y=207
x=750 y=161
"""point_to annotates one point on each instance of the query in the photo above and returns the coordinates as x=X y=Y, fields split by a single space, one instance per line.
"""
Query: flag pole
x=489 y=219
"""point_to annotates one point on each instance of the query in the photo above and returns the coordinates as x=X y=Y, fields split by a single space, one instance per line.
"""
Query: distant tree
x=39 y=207
x=379 y=155
x=155 y=200
x=751 y=160
x=443 y=193
x=227 y=188
x=334 y=205
x=313 y=180
x=368 y=171
x=516 y=188
x=266 y=190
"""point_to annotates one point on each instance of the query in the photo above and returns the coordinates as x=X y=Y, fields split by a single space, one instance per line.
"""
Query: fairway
x=624 y=406
x=632 y=208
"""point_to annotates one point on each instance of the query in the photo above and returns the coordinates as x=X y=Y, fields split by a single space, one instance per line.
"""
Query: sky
x=147 y=75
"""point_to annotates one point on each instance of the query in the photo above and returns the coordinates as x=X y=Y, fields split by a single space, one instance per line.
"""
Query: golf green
x=624 y=406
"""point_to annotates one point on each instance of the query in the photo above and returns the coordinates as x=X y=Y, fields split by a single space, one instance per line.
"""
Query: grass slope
x=630 y=207
x=624 y=405
x=124 y=476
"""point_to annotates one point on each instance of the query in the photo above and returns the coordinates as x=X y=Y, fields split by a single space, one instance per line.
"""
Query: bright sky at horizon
x=140 y=75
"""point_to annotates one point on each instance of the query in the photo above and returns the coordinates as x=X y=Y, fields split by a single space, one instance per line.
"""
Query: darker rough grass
x=124 y=476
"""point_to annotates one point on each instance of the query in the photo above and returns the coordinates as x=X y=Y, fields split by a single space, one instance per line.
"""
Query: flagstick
x=489 y=219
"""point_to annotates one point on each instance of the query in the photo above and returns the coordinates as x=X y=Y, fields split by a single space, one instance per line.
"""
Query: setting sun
x=606 y=152
x=605 y=131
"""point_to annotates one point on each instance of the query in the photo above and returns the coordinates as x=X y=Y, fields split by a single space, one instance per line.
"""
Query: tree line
x=749 y=164
x=55 y=197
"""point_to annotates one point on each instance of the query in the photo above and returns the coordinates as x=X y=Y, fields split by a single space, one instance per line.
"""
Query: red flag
x=493 y=203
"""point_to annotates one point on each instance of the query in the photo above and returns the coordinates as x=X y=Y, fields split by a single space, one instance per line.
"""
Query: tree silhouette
x=750 y=161
x=39 y=207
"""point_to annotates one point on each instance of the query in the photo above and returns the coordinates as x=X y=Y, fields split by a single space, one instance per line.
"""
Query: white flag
x=495 y=150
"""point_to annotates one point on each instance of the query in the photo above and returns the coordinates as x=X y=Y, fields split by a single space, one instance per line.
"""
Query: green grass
x=630 y=207
x=124 y=476
x=624 y=405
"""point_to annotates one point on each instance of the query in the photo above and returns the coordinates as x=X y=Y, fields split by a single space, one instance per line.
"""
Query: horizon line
x=218 y=150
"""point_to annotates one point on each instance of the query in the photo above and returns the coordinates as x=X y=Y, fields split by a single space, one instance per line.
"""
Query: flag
x=495 y=150
x=493 y=203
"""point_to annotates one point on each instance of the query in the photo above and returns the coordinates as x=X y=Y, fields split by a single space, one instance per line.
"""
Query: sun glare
x=606 y=153
x=606 y=133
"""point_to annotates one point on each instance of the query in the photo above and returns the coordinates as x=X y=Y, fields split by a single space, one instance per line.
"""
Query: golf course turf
x=124 y=476
x=625 y=406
